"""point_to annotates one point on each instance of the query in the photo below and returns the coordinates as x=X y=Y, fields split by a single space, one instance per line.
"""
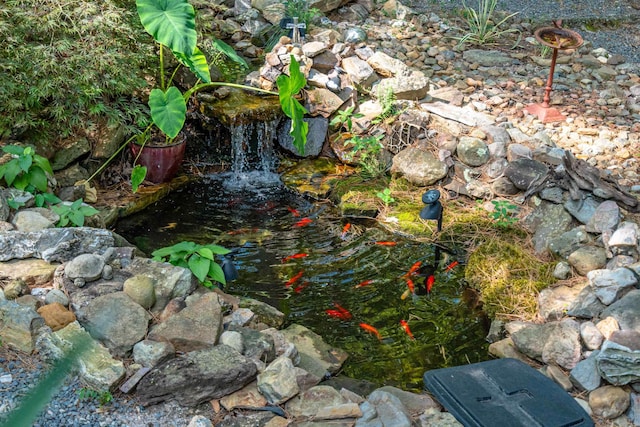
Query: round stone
x=141 y=290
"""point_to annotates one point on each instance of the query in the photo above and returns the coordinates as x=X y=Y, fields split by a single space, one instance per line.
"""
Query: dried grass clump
x=508 y=277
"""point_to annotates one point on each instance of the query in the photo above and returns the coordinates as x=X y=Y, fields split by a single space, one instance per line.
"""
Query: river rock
x=385 y=65
x=608 y=326
x=433 y=417
x=585 y=375
x=149 y=353
x=625 y=238
x=233 y=339
x=569 y=241
x=546 y=221
x=388 y=410
x=587 y=258
x=197 y=326
x=418 y=166
x=19 y=326
x=34 y=272
x=582 y=209
x=141 y=290
x=314 y=400
x=359 y=71
x=277 y=383
x=56 y=295
x=609 y=285
x=553 y=302
x=586 y=305
x=316 y=356
x=56 y=316
x=54 y=244
x=531 y=339
x=316 y=136
x=472 y=151
x=116 y=321
x=563 y=345
x=526 y=173
x=605 y=217
x=609 y=401
x=257 y=346
x=248 y=396
x=415 y=404
x=411 y=85
x=487 y=58
x=625 y=311
x=34 y=219
x=169 y=281
x=619 y=358
x=96 y=366
x=197 y=376
x=591 y=335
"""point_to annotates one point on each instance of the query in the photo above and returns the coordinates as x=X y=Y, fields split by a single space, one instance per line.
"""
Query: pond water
x=339 y=267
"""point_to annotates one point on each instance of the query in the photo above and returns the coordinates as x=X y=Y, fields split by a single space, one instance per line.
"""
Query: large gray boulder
x=197 y=377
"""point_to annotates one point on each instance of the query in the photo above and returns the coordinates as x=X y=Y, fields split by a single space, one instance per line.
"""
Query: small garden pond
x=351 y=267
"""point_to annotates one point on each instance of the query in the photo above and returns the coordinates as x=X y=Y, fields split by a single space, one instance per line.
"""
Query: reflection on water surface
x=278 y=237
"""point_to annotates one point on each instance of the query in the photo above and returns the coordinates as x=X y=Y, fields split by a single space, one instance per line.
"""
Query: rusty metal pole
x=547 y=89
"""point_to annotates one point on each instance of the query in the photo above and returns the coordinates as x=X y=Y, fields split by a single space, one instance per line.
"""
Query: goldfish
x=346 y=315
x=416 y=265
x=364 y=283
x=451 y=266
x=405 y=326
x=371 y=329
x=334 y=313
x=169 y=226
x=299 y=288
x=430 y=281
x=346 y=228
x=303 y=222
x=294 y=279
x=293 y=211
x=385 y=243
x=294 y=256
x=405 y=294
x=410 y=285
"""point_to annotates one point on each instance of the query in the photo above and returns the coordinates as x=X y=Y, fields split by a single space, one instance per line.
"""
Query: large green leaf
x=197 y=63
x=199 y=266
x=170 y=22
x=168 y=110
x=38 y=179
x=216 y=273
x=138 y=174
x=230 y=52
x=288 y=87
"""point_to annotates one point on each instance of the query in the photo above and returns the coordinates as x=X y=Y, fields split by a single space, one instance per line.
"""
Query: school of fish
x=341 y=313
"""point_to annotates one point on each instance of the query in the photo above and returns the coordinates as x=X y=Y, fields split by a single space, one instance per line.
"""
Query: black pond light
x=433 y=208
x=229 y=269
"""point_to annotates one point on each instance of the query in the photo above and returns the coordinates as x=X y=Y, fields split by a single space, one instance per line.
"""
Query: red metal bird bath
x=557 y=38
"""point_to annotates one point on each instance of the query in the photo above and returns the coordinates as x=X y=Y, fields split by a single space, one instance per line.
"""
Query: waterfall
x=253 y=156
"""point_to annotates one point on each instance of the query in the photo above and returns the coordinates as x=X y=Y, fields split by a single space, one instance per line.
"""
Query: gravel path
x=67 y=409
x=610 y=24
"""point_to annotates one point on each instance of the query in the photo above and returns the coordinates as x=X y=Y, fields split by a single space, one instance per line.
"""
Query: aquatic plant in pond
x=296 y=255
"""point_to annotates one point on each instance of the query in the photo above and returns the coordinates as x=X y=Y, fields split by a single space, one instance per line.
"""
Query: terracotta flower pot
x=162 y=161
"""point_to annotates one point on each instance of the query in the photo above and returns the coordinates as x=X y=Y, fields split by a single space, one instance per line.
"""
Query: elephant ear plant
x=172 y=25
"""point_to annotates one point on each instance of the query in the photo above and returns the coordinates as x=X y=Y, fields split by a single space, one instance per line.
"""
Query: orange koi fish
x=429 y=282
x=293 y=211
x=346 y=315
x=299 y=288
x=346 y=228
x=334 y=313
x=451 y=266
x=385 y=243
x=371 y=330
x=294 y=279
x=413 y=269
x=303 y=222
x=410 y=285
x=364 y=283
x=294 y=256
x=405 y=326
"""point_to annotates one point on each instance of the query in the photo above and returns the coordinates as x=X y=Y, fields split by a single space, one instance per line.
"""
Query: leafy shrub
x=65 y=65
x=73 y=213
x=200 y=259
x=482 y=26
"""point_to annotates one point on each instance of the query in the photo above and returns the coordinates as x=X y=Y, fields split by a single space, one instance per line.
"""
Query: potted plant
x=172 y=25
